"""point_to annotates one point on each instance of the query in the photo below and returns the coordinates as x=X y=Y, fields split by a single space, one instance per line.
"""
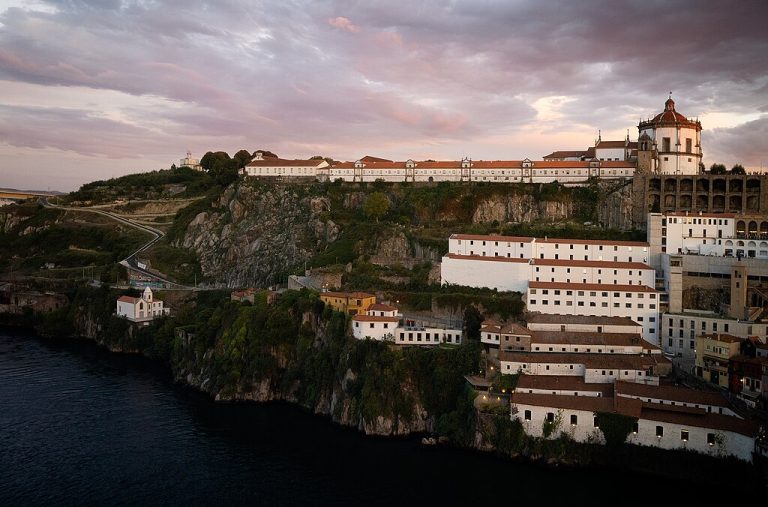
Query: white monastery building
x=561 y=276
x=141 y=309
x=674 y=140
x=670 y=143
x=273 y=167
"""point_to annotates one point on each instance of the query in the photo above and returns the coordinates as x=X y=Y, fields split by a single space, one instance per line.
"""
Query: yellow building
x=712 y=354
x=352 y=303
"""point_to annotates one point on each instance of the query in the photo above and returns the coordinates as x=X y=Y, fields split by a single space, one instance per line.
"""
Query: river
x=80 y=425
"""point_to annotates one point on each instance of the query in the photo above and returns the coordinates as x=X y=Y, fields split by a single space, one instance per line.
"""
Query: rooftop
x=542 y=318
x=579 y=338
x=561 y=382
x=670 y=393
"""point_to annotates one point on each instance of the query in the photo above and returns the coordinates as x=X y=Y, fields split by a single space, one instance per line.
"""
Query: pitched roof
x=565 y=154
x=590 y=286
x=551 y=318
x=585 y=403
x=380 y=307
x=560 y=382
x=670 y=393
x=581 y=338
x=602 y=145
x=279 y=162
x=374 y=318
x=493 y=237
x=722 y=337
x=486 y=258
x=128 y=299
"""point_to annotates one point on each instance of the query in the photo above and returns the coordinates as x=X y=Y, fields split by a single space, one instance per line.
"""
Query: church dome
x=670 y=117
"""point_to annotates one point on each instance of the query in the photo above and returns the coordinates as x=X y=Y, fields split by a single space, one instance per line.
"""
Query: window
x=659 y=431
x=684 y=435
x=527 y=415
x=595 y=423
x=711 y=439
x=574 y=419
x=635 y=428
x=550 y=417
x=371 y=325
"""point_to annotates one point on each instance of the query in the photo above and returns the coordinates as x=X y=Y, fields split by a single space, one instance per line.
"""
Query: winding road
x=129 y=262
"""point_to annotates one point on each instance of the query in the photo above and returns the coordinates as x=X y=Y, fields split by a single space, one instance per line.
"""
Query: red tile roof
x=565 y=154
x=486 y=258
x=493 y=237
x=582 y=338
x=590 y=286
x=379 y=307
x=279 y=162
x=549 y=318
x=128 y=299
x=374 y=318
x=585 y=403
x=592 y=242
x=561 y=382
x=670 y=393
x=610 y=144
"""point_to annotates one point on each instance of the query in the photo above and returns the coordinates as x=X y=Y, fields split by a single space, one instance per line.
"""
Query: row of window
x=581 y=293
x=593 y=304
x=574 y=420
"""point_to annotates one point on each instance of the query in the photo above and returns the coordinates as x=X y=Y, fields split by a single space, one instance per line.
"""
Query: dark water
x=79 y=425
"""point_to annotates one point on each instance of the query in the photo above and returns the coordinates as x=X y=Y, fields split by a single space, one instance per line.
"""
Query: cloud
x=143 y=81
x=343 y=23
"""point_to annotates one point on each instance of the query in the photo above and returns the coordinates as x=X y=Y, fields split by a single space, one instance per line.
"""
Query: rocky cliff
x=255 y=233
x=250 y=236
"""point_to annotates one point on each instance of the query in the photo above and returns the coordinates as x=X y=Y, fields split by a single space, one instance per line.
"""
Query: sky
x=95 y=89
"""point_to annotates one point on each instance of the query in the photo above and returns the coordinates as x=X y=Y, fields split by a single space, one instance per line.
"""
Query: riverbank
x=492 y=434
x=114 y=428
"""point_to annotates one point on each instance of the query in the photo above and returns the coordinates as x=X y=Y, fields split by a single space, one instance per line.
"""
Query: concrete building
x=713 y=352
x=673 y=140
x=142 y=309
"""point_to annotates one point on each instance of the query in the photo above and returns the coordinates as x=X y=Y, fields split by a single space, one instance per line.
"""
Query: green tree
x=376 y=206
x=738 y=169
x=717 y=169
x=265 y=154
x=472 y=322
x=242 y=158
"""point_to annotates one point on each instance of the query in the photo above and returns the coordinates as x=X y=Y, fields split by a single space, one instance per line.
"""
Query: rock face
x=338 y=400
x=251 y=236
x=520 y=208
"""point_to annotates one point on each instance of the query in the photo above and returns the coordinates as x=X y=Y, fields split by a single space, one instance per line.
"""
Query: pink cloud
x=343 y=23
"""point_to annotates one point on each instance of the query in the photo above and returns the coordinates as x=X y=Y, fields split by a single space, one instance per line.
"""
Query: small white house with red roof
x=141 y=309
x=377 y=323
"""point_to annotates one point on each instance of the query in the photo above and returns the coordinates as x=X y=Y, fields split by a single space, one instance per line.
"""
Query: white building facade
x=141 y=309
x=674 y=140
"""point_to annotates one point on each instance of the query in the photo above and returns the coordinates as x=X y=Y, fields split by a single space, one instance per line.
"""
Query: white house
x=375 y=327
x=141 y=309
x=663 y=426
